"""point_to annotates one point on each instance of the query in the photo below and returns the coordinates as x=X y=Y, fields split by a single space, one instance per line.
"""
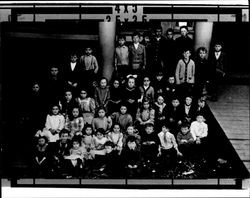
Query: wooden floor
x=232 y=112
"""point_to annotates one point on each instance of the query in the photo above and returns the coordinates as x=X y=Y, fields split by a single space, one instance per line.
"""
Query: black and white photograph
x=112 y=95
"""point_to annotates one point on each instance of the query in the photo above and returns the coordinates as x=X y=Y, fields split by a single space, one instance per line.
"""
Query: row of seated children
x=135 y=152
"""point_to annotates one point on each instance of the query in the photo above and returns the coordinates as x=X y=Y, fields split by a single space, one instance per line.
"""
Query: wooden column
x=107 y=44
x=203 y=34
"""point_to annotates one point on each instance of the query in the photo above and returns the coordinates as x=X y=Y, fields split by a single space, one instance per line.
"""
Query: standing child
x=102 y=93
x=75 y=122
x=122 y=59
x=54 y=124
x=160 y=112
x=88 y=139
x=116 y=137
x=168 y=149
x=115 y=97
x=122 y=118
x=87 y=106
x=102 y=121
x=185 y=73
x=146 y=90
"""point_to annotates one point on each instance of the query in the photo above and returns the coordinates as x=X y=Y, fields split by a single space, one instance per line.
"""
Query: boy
x=188 y=110
x=184 y=73
x=137 y=55
x=170 y=89
x=122 y=59
x=174 y=115
x=146 y=90
x=159 y=84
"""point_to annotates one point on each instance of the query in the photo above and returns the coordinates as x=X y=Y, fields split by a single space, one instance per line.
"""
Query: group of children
x=137 y=124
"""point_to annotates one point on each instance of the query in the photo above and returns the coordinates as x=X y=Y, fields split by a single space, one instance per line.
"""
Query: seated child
x=115 y=97
x=131 y=158
x=185 y=140
x=75 y=122
x=159 y=84
x=203 y=109
x=149 y=147
x=102 y=93
x=168 y=149
x=174 y=115
x=67 y=103
x=116 y=137
x=122 y=118
x=160 y=111
x=88 y=140
x=170 y=89
x=102 y=121
x=87 y=106
x=131 y=131
x=147 y=91
x=188 y=110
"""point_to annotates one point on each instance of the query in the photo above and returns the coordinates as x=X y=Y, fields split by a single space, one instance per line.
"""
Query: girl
x=67 y=104
x=102 y=93
x=54 y=124
x=116 y=137
x=122 y=118
x=75 y=122
x=145 y=114
x=131 y=131
x=115 y=97
x=88 y=139
x=146 y=90
x=160 y=111
x=102 y=121
x=87 y=106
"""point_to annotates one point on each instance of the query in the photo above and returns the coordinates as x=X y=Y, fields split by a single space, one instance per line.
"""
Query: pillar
x=203 y=34
x=107 y=44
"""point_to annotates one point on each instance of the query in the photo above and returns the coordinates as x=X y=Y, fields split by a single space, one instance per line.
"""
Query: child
x=122 y=59
x=122 y=118
x=160 y=111
x=88 y=138
x=41 y=157
x=54 y=124
x=137 y=55
x=87 y=106
x=90 y=66
x=131 y=96
x=185 y=73
x=174 y=115
x=115 y=97
x=102 y=93
x=145 y=114
x=67 y=104
x=188 y=110
x=203 y=109
x=116 y=137
x=75 y=122
x=76 y=157
x=102 y=121
x=131 y=158
x=168 y=149
x=146 y=90
x=159 y=84
x=185 y=140
x=149 y=147
x=170 y=89
x=131 y=131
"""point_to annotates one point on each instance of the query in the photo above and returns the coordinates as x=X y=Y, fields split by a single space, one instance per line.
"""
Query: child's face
x=186 y=54
x=200 y=118
x=75 y=112
x=101 y=113
x=83 y=94
x=108 y=149
x=146 y=81
x=76 y=145
x=130 y=130
x=116 y=84
x=73 y=58
x=158 y=32
x=36 y=88
x=116 y=129
x=121 y=41
x=64 y=137
x=68 y=95
x=146 y=105
x=136 y=39
x=184 y=32
x=131 y=145
x=175 y=103
x=55 y=110
x=103 y=83
x=123 y=110
x=88 y=51
x=99 y=135
x=146 y=39
x=165 y=129
x=160 y=100
x=170 y=35
x=188 y=101
x=149 y=129
x=201 y=103
x=217 y=47
x=159 y=77
x=54 y=71
x=88 y=130
x=131 y=83
x=184 y=130
x=171 y=80
x=41 y=141
x=202 y=54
